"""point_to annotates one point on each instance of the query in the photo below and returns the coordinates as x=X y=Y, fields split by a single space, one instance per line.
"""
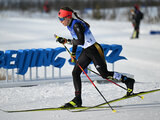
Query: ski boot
x=129 y=82
x=76 y=102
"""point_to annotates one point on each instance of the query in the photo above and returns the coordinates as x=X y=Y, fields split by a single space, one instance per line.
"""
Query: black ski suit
x=92 y=53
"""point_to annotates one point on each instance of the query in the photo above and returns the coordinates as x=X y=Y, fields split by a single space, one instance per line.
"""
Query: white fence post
x=113 y=67
x=30 y=70
x=17 y=75
x=23 y=77
x=12 y=75
x=45 y=73
x=52 y=72
x=59 y=72
x=36 y=73
x=6 y=75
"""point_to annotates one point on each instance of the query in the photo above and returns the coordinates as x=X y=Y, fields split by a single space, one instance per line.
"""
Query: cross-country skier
x=92 y=51
x=136 y=17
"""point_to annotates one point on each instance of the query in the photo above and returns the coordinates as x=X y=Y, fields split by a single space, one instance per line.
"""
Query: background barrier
x=34 y=66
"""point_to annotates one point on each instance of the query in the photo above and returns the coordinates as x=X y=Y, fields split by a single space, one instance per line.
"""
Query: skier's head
x=136 y=7
x=65 y=12
x=65 y=16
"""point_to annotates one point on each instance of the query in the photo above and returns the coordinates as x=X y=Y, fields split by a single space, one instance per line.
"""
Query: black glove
x=61 y=40
x=69 y=41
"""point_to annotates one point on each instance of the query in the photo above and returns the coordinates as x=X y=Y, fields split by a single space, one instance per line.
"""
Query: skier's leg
x=137 y=30
x=97 y=56
x=101 y=66
x=83 y=61
x=129 y=82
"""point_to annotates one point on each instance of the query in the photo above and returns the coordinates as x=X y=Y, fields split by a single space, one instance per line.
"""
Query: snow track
x=143 y=61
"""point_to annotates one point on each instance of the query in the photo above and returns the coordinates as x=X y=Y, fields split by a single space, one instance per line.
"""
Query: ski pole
x=92 y=70
x=88 y=77
x=92 y=82
x=108 y=79
x=142 y=97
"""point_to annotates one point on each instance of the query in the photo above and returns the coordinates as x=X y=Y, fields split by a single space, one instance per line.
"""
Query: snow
x=143 y=61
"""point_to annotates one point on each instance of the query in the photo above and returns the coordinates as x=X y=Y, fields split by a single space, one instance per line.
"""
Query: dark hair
x=75 y=13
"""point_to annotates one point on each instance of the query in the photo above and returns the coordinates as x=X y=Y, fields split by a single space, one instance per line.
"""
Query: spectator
x=46 y=7
x=136 y=17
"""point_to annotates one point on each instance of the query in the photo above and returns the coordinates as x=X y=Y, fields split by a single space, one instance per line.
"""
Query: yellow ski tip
x=56 y=36
x=142 y=97
x=114 y=111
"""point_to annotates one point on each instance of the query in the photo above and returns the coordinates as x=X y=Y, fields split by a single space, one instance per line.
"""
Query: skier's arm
x=79 y=30
x=74 y=48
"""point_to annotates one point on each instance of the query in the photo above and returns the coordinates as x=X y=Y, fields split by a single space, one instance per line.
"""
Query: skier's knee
x=104 y=76
x=76 y=73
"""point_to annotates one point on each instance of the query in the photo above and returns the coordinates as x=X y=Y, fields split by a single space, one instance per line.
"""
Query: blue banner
x=23 y=59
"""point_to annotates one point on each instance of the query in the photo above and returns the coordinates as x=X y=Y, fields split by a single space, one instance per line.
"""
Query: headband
x=64 y=13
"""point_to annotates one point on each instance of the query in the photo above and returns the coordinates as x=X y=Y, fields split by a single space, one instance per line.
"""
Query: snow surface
x=143 y=61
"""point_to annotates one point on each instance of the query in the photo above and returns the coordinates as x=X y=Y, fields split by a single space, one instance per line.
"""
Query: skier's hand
x=73 y=57
x=69 y=41
x=61 y=40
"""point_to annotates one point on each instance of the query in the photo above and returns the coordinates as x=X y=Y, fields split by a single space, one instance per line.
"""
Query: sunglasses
x=62 y=19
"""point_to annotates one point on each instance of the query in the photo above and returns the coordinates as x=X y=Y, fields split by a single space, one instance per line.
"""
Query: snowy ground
x=143 y=61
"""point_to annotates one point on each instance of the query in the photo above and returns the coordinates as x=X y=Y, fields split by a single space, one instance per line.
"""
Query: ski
x=118 y=99
x=83 y=108
x=50 y=109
